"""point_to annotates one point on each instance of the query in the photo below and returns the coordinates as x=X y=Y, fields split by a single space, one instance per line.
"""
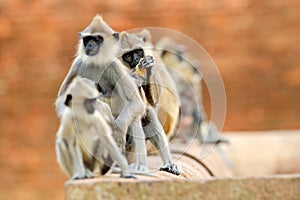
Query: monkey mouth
x=90 y=53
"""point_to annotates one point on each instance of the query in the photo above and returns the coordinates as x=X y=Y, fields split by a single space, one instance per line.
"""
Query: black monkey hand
x=142 y=71
x=147 y=62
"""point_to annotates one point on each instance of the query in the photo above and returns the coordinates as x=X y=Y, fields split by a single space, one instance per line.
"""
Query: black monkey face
x=89 y=105
x=132 y=58
x=92 y=43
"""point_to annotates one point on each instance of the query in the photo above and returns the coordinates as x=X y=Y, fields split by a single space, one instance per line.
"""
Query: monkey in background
x=96 y=60
x=189 y=82
x=161 y=91
x=183 y=68
x=84 y=137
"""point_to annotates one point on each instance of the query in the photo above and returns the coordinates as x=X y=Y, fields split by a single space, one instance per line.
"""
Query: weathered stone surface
x=207 y=176
x=264 y=153
x=112 y=187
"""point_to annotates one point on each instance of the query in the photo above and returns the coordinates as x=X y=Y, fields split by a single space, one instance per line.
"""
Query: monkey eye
x=140 y=52
x=98 y=38
x=127 y=57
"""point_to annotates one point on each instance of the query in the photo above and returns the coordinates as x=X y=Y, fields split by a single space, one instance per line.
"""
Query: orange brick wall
x=256 y=45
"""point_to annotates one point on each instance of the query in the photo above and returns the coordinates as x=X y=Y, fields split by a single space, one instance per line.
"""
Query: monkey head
x=170 y=51
x=133 y=46
x=82 y=91
x=96 y=38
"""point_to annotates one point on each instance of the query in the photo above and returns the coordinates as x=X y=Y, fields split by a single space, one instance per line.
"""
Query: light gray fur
x=83 y=137
x=124 y=99
x=153 y=130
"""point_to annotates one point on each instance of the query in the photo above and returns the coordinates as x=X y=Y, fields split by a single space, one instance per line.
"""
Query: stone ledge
x=196 y=182
x=113 y=187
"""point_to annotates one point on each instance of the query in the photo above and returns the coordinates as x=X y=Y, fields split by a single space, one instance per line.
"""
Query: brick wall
x=254 y=43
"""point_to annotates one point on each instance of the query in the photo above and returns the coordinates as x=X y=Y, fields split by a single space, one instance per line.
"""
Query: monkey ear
x=145 y=35
x=98 y=87
x=116 y=36
x=181 y=49
x=68 y=100
x=79 y=35
x=123 y=36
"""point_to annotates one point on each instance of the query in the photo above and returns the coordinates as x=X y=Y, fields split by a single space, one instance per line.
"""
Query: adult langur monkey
x=153 y=129
x=160 y=91
x=85 y=133
x=179 y=59
x=96 y=60
x=183 y=68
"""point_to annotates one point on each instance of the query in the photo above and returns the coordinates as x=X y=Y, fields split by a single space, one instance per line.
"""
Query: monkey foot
x=128 y=175
x=171 y=168
x=140 y=169
x=135 y=167
x=87 y=174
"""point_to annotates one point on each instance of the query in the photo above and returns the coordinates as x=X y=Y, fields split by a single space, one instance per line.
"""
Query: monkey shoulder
x=67 y=115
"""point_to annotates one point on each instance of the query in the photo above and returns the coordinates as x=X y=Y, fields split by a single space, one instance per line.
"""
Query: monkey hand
x=147 y=62
x=171 y=168
x=142 y=71
x=120 y=137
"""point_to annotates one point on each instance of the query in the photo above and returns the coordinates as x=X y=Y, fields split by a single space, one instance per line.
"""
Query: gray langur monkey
x=142 y=65
x=181 y=62
x=96 y=60
x=183 y=68
x=153 y=129
x=85 y=133
x=161 y=88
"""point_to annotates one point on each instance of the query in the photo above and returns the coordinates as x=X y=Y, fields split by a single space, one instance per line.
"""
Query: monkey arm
x=59 y=103
x=105 y=135
x=67 y=150
x=73 y=72
x=127 y=89
x=105 y=111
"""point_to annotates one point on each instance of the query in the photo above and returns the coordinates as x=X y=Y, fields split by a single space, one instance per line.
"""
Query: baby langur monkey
x=141 y=67
x=96 y=60
x=85 y=133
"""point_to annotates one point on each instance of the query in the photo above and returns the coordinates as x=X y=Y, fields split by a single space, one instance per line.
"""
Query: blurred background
x=255 y=44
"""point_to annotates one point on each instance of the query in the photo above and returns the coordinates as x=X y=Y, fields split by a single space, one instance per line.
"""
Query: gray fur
x=118 y=87
x=84 y=137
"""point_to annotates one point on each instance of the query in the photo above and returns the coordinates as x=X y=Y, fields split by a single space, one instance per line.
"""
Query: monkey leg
x=139 y=148
x=155 y=133
x=63 y=155
x=106 y=138
x=70 y=159
x=79 y=168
